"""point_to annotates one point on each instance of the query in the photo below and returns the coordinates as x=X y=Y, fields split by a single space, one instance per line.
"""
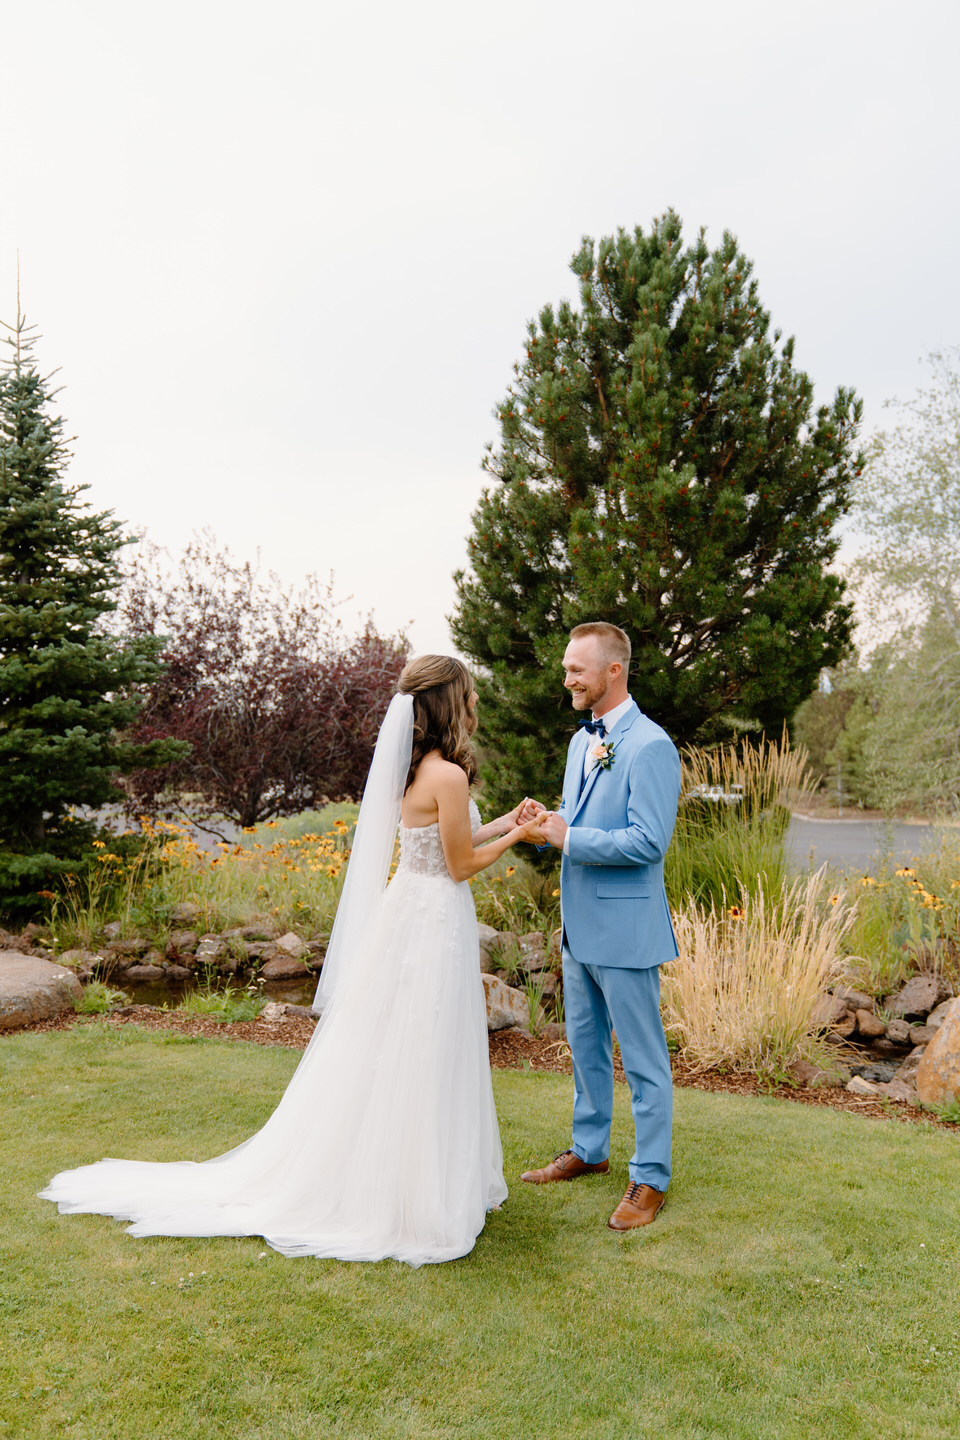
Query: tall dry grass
x=742 y=993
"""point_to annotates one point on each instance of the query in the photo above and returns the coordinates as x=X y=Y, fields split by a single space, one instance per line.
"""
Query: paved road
x=855 y=844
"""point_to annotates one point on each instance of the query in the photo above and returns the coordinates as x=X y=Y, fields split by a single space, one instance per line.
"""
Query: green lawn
x=803 y=1280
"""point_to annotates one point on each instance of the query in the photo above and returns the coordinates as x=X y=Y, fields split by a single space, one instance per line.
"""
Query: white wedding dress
x=385 y=1142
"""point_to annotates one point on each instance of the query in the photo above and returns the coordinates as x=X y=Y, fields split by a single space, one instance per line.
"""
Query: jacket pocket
x=632 y=890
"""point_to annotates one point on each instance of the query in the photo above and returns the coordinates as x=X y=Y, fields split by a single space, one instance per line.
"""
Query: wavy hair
x=442 y=719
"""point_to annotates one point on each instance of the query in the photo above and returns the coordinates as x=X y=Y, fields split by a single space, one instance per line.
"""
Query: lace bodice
x=421 y=850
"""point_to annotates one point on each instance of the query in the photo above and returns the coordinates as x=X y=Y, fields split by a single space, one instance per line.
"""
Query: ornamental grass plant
x=741 y=995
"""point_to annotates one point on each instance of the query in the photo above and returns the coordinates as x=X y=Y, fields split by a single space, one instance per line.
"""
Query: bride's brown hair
x=441 y=688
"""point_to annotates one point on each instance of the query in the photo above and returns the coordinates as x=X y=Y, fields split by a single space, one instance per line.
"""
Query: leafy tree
x=834 y=725
x=908 y=510
x=279 y=706
x=661 y=466
x=908 y=579
x=66 y=687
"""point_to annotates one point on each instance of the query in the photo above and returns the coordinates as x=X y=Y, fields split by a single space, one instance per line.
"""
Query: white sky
x=284 y=253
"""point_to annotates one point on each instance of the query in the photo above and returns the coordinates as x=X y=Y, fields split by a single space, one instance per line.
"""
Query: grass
x=742 y=993
x=800 y=1281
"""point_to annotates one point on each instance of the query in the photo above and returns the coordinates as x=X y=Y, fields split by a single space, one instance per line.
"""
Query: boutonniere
x=604 y=753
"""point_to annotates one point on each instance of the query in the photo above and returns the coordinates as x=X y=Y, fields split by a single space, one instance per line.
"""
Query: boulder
x=131 y=946
x=898 y=1032
x=142 y=974
x=805 y=1072
x=907 y=1071
x=505 y=1006
x=920 y=995
x=869 y=1025
x=936 y=1017
x=83 y=963
x=184 y=913
x=856 y=1085
x=32 y=990
x=533 y=952
x=176 y=972
x=938 y=1074
x=285 y=967
x=854 y=999
x=291 y=944
x=828 y=1012
x=489 y=941
x=898 y=1090
x=181 y=942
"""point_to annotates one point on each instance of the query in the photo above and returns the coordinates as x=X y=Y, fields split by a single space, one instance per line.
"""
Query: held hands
x=553 y=828
x=541 y=826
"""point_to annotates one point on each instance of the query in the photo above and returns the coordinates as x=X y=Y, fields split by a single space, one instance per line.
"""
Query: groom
x=620 y=795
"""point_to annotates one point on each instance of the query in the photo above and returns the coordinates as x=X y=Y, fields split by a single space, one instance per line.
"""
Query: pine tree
x=66 y=686
x=660 y=466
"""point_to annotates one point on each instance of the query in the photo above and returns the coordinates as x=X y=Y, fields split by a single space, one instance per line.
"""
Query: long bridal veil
x=373 y=844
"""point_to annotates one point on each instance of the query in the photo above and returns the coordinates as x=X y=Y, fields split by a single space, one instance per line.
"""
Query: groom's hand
x=553 y=828
x=529 y=810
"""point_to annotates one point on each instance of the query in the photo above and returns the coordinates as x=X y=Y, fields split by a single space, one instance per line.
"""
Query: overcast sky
x=284 y=253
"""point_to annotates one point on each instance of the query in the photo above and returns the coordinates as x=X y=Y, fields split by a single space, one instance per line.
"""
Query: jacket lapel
x=619 y=730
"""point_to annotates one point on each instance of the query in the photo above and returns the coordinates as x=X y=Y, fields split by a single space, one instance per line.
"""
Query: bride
x=385 y=1142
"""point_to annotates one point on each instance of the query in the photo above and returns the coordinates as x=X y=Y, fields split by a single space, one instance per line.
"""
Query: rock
x=291 y=944
x=32 y=990
x=898 y=1090
x=176 y=972
x=938 y=1075
x=276 y=1010
x=805 y=1072
x=489 y=941
x=898 y=1032
x=876 y=1074
x=505 y=1006
x=936 y=1017
x=181 y=942
x=533 y=953
x=828 y=1012
x=856 y=1085
x=82 y=962
x=285 y=967
x=844 y=1027
x=920 y=1034
x=184 y=913
x=883 y=1046
x=547 y=983
x=553 y=1032
x=869 y=1025
x=920 y=995
x=112 y=930
x=854 y=999
x=143 y=974
x=907 y=1071
x=133 y=945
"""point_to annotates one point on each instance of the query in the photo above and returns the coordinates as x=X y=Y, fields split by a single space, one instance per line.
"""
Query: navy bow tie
x=594 y=727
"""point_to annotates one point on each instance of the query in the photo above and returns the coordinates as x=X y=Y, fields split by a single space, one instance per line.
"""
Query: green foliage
x=307 y=822
x=99 y=999
x=661 y=465
x=66 y=687
x=784 y=1220
x=223 y=1004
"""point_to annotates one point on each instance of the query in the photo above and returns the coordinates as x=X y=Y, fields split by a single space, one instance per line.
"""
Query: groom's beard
x=587 y=698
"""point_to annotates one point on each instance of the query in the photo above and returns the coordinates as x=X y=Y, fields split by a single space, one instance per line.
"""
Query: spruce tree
x=660 y=466
x=67 y=687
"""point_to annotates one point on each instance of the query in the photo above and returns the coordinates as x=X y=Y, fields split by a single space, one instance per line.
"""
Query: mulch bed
x=509 y=1050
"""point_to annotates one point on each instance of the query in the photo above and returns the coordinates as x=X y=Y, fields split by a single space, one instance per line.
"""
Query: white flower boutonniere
x=604 y=753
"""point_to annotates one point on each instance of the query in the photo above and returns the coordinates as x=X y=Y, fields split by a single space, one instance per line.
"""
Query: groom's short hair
x=614 y=642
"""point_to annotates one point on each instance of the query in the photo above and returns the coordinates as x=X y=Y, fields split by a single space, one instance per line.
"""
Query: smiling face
x=594 y=683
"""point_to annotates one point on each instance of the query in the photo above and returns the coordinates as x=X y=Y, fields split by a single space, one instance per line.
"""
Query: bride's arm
x=460 y=851
x=502 y=824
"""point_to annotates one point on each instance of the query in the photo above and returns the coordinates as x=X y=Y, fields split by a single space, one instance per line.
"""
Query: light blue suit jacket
x=613 y=902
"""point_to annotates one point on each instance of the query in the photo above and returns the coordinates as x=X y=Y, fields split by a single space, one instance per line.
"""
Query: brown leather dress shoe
x=640 y=1206
x=567 y=1166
